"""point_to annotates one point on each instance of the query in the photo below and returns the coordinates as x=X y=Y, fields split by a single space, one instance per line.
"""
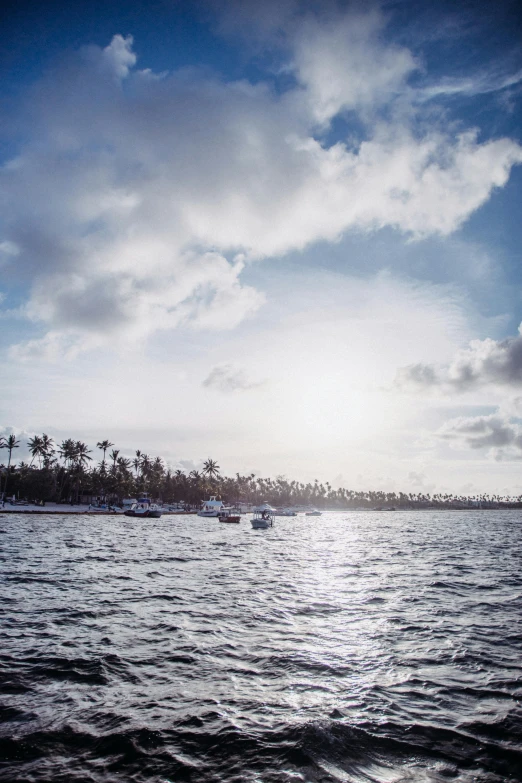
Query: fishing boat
x=262 y=519
x=144 y=508
x=230 y=515
x=211 y=508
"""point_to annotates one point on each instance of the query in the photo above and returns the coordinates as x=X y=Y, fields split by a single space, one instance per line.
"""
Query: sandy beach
x=64 y=508
x=53 y=508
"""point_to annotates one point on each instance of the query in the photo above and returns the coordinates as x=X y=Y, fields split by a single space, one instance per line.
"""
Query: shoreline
x=58 y=509
x=74 y=510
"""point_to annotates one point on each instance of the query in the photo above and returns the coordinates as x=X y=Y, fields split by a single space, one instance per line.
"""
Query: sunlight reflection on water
x=354 y=646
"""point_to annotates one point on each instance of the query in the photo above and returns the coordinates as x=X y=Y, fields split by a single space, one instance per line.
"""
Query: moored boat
x=143 y=508
x=231 y=515
x=211 y=508
x=264 y=507
x=313 y=513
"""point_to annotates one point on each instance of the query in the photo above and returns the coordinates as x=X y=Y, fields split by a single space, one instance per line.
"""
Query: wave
x=207 y=749
x=347 y=653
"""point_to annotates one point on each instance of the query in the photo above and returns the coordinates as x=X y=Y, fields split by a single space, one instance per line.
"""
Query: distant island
x=67 y=473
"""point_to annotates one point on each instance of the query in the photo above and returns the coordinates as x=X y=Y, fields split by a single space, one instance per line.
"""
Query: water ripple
x=358 y=647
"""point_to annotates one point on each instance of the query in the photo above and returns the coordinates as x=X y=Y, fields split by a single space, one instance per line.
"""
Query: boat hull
x=143 y=514
x=261 y=524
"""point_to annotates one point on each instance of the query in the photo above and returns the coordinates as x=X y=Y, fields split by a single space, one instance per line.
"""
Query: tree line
x=67 y=472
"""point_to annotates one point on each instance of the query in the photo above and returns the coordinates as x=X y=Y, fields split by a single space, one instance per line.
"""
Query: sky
x=285 y=236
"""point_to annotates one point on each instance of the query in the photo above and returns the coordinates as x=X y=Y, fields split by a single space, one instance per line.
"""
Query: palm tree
x=9 y=443
x=35 y=447
x=145 y=467
x=114 y=456
x=81 y=456
x=211 y=468
x=104 y=445
x=124 y=463
x=67 y=450
x=158 y=465
x=3 y=445
x=82 y=453
x=47 y=449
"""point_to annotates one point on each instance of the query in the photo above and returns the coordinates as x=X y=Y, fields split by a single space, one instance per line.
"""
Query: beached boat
x=231 y=515
x=262 y=519
x=143 y=508
x=211 y=508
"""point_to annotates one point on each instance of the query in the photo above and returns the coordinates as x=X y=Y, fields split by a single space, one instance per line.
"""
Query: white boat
x=143 y=508
x=211 y=508
x=313 y=513
x=264 y=507
x=262 y=519
x=285 y=512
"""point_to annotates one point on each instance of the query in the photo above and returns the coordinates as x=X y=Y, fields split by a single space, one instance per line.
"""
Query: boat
x=143 y=508
x=211 y=508
x=285 y=512
x=230 y=515
x=264 y=507
x=313 y=513
x=262 y=519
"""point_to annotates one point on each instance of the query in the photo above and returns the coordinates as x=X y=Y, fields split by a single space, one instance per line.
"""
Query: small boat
x=231 y=515
x=285 y=512
x=313 y=513
x=211 y=508
x=262 y=519
x=143 y=508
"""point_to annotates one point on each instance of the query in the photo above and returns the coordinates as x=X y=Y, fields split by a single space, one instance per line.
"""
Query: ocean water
x=353 y=647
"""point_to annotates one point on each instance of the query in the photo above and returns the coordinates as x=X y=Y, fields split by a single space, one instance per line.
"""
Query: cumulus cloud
x=20 y=452
x=137 y=198
x=344 y=66
x=226 y=378
x=495 y=433
x=485 y=363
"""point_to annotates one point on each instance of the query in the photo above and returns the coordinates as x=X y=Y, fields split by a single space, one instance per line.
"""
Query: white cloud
x=326 y=348
x=344 y=64
x=227 y=378
x=480 y=84
x=488 y=369
x=496 y=434
x=128 y=203
x=485 y=363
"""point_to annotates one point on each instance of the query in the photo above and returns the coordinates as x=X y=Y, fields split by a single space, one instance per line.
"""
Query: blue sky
x=286 y=235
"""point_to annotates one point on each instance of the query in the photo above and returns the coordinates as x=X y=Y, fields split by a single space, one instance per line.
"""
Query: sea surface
x=352 y=647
